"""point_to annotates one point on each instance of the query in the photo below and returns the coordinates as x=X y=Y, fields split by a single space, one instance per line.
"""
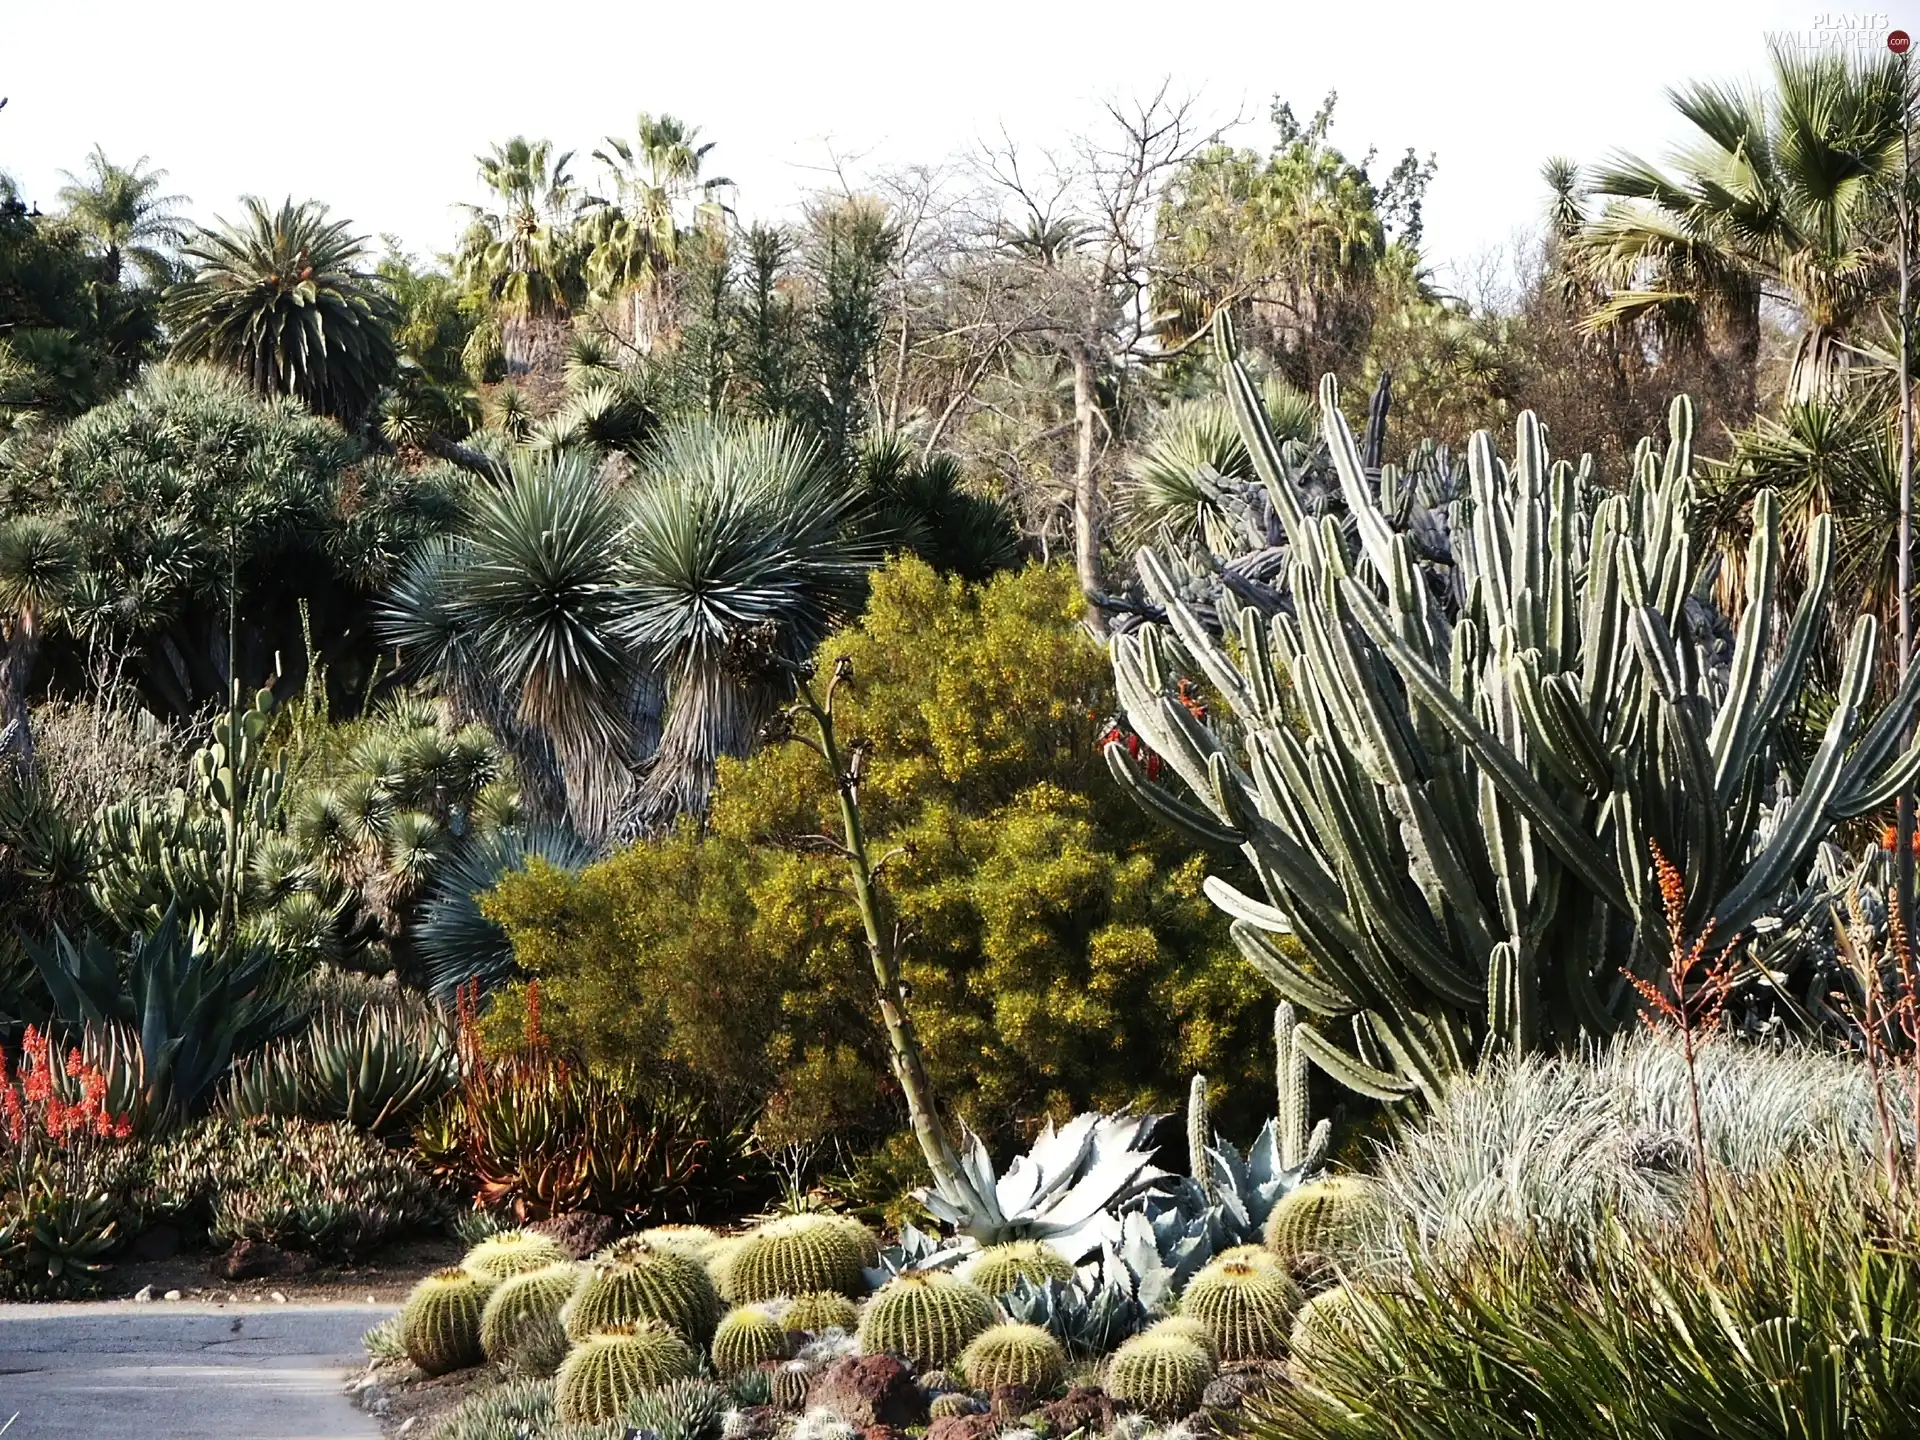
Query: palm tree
x=526 y=255
x=637 y=239
x=282 y=299
x=122 y=211
x=1782 y=198
x=37 y=570
x=741 y=551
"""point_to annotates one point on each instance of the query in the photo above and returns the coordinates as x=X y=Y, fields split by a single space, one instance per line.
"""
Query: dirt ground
x=383 y=1277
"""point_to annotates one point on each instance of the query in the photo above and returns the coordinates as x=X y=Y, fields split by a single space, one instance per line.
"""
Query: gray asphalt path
x=177 y=1370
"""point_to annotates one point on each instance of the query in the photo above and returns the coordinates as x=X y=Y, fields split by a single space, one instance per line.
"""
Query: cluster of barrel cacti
x=1451 y=761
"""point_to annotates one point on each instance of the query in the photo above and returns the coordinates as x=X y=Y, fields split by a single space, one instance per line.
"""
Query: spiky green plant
x=999 y=1269
x=819 y=1310
x=1247 y=1300
x=525 y=1301
x=1326 y=1323
x=1014 y=1354
x=793 y=1255
x=604 y=1371
x=679 y=1410
x=1164 y=1375
x=635 y=1280
x=746 y=1337
x=925 y=1316
x=514 y=1252
x=440 y=1322
x=791 y=1382
x=952 y=1404
x=1325 y=1222
x=1451 y=794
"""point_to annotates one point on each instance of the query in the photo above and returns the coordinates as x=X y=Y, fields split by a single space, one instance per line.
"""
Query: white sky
x=378 y=109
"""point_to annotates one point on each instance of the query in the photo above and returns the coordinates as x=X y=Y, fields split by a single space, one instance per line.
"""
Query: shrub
x=1063 y=958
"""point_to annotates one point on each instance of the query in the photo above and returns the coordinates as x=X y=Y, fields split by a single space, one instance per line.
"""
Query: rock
x=581 y=1231
x=1083 y=1407
x=158 y=1242
x=1236 y=1384
x=1009 y=1402
x=963 y=1427
x=171 y=1295
x=882 y=1432
x=870 y=1390
x=278 y=1298
x=144 y=1295
x=254 y=1259
x=408 y=1423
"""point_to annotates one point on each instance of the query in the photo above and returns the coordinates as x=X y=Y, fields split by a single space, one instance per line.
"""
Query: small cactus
x=1164 y=1375
x=514 y=1252
x=925 y=1316
x=521 y=1303
x=1187 y=1328
x=935 y=1381
x=679 y=1410
x=606 y=1370
x=791 y=1382
x=1247 y=1300
x=1314 y=1344
x=1321 y=1223
x=695 y=1240
x=1014 y=1354
x=952 y=1404
x=792 y=1256
x=440 y=1323
x=636 y=1280
x=747 y=1337
x=819 y=1310
x=1199 y=1136
x=999 y=1269
x=863 y=1238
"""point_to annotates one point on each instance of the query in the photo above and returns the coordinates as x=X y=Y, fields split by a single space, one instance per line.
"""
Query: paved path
x=178 y=1370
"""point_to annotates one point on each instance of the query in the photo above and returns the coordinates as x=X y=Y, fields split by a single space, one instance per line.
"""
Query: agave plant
x=1117 y=1292
x=377 y=1070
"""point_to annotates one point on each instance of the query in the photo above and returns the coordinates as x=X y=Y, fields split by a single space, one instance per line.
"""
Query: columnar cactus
x=1199 y=1137
x=1247 y=1300
x=1162 y=1374
x=1014 y=1354
x=440 y=1322
x=794 y=1255
x=999 y=1269
x=514 y=1252
x=520 y=1303
x=1449 y=779
x=927 y=1317
x=605 y=1371
x=819 y=1310
x=635 y=1280
x=746 y=1337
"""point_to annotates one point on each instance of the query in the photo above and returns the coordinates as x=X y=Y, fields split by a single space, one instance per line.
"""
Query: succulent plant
x=718 y=1258
x=679 y=1410
x=746 y=1337
x=952 y=1404
x=1323 y=1223
x=696 y=1240
x=377 y=1068
x=607 y=1369
x=822 y=1425
x=519 y=1407
x=750 y=1388
x=791 y=1382
x=999 y=1269
x=382 y=1342
x=635 y=1280
x=863 y=1237
x=927 y=1317
x=1318 y=1330
x=514 y=1252
x=1247 y=1300
x=523 y=1302
x=1450 y=778
x=819 y=1310
x=1164 y=1375
x=793 y=1255
x=1012 y=1353
x=440 y=1322
x=1186 y=1328
x=1109 y=1298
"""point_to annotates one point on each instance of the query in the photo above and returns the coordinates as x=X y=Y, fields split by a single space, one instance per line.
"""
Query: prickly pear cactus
x=440 y=1322
x=605 y=1371
x=927 y=1317
x=1014 y=1354
x=1164 y=1375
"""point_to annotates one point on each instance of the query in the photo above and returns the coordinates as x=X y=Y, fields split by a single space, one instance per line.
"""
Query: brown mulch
x=383 y=1277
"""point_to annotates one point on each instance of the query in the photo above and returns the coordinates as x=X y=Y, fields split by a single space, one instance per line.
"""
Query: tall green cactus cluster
x=1450 y=771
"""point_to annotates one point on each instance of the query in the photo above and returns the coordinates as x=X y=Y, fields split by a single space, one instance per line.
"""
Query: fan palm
x=741 y=537
x=1781 y=198
x=525 y=254
x=281 y=298
x=637 y=239
x=38 y=565
x=121 y=209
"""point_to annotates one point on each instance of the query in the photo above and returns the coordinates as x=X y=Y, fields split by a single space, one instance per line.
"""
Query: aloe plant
x=1449 y=778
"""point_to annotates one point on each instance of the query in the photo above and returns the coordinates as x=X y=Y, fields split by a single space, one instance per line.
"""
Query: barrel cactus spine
x=927 y=1317
x=793 y=1255
x=1012 y=1353
x=1247 y=1300
x=1315 y=1227
x=636 y=1280
x=605 y=1370
x=514 y=1252
x=522 y=1302
x=999 y=1269
x=440 y=1321
x=746 y=1337
x=1162 y=1375
x=818 y=1311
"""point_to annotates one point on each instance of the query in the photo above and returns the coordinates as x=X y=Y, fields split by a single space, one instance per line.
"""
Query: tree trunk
x=19 y=646
x=1086 y=485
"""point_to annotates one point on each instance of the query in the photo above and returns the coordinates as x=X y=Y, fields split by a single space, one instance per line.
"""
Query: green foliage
x=816 y=1310
x=680 y=1410
x=1062 y=956
x=506 y=1253
x=999 y=1269
x=440 y=1322
x=1784 y=1313
x=513 y=1411
x=635 y=1281
x=1161 y=1373
x=606 y=1371
x=927 y=1317
x=1247 y=1300
x=1014 y=1354
x=64 y=1210
x=794 y=1255
x=525 y=1307
x=378 y=1067
x=747 y=1337
x=1324 y=1223
x=280 y=299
